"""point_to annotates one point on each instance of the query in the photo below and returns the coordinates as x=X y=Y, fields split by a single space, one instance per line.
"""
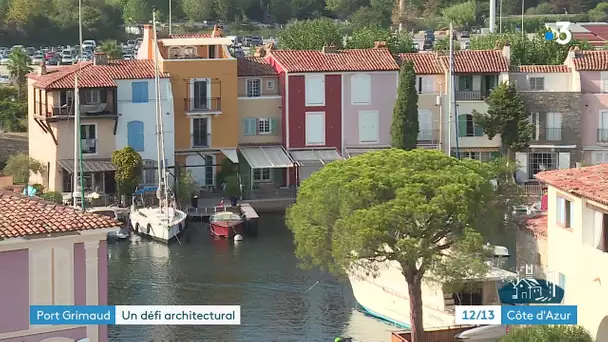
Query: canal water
x=259 y=274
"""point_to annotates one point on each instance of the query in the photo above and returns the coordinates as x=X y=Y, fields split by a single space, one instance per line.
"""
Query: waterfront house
x=50 y=255
x=334 y=100
x=105 y=87
x=552 y=99
x=590 y=69
x=430 y=82
x=531 y=246
x=578 y=241
x=477 y=72
x=204 y=82
x=262 y=159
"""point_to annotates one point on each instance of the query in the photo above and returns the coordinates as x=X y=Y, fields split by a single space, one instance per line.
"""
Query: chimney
x=100 y=58
x=330 y=49
x=380 y=45
x=148 y=33
x=506 y=51
x=218 y=31
x=42 y=70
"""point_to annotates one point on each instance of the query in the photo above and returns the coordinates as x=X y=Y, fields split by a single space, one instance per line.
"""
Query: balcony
x=200 y=140
x=602 y=135
x=202 y=105
x=553 y=134
x=88 y=146
x=428 y=137
x=471 y=95
x=99 y=110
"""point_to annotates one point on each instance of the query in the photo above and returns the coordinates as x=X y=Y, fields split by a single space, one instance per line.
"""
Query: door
x=602 y=135
x=554 y=126
x=201 y=97
x=522 y=167
x=425 y=126
x=563 y=160
x=368 y=127
x=110 y=182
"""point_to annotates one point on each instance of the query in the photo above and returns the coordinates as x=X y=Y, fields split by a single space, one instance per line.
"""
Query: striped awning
x=89 y=165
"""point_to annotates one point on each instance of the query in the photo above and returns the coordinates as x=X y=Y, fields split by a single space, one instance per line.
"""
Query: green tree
x=20 y=166
x=364 y=38
x=462 y=15
x=186 y=186
x=52 y=196
x=137 y=12
x=444 y=45
x=13 y=112
x=128 y=169
x=547 y=333
x=18 y=68
x=420 y=208
x=405 y=126
x=544 y=8
x=198 y=10
x=310 y=34
x=345 y=8
x=599 y=13
x=507 y=118
x=111 y=48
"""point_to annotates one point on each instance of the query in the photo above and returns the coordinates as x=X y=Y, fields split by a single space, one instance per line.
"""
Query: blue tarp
x=30 y=191
x=144 y=189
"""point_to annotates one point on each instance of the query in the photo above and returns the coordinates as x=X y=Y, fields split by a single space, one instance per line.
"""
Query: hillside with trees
x=50 y=22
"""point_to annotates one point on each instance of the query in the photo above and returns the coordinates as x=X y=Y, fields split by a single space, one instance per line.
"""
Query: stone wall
x=566 y=103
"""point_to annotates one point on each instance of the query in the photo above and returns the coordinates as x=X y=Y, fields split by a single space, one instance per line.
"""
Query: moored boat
x=226 y=224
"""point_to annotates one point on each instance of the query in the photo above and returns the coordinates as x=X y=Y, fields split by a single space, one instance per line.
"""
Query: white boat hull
x=157 y=223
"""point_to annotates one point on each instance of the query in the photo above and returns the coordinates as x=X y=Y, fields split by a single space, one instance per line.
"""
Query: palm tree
x=18 y=67
x=111 y=48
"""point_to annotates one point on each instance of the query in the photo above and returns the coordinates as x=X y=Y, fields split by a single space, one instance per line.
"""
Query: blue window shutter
x=135 y=135
x=274 y=126
x=249 y=126
x=462 y=125
x=140 y=92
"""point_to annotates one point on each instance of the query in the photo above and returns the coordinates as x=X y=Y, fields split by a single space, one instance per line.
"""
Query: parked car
x=128 y=56
x=54 y=60
x=67 y=56
x=30 y=51
x=4 y=59
x=428 y=45
x=89 y=42
x=4 y=79
x=131 y=43
x=465 y=34
x=38 y=58
x=49 y=54
x=17 y=47
x=257 y=41
x=429 y=35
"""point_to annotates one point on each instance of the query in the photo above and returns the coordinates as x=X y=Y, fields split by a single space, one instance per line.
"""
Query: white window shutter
x=522 y=167
x=604 y=84
x=598 y=228
x=63 y=262
x=564 y=160
x=41 y=277
x=362 y=127
x=427 y=85
x=315 y=90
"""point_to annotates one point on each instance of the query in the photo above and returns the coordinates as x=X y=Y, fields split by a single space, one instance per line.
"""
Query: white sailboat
x=162 y=221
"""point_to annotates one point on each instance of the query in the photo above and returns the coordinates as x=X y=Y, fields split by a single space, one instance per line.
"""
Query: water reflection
x=260 y=274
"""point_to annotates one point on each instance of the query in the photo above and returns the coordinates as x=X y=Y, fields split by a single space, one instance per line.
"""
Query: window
x=175 y=52
x=260 y=126
x=535 y=122
x=604 y=84
x=66 y=181
x=261 y=175
x=188 y=52
x=66 y=98
x=149 y=172
x=209 y=174
x=482 y=156
x=315 y=128
x=602 y=132
x=368 y=126
x=425 y=126
x=360 y=89
x=537 y=83
x=541 y=161
x=554 y=127
x=135 y=135
x=139 y=92
x=92 y=96
x=465 y=82
x=315 y=90
x=599 y=157
x=425 y=85
x=200 y=132
x=467 y=128
x=88 y=138
x=253 y=88
x=564 y=212
x=270 y=84
x=211 y=49
x=263 y=126
x=200 y=96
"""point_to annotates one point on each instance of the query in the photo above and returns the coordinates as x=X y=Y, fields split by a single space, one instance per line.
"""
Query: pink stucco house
x=590 y=68
x=50 y=255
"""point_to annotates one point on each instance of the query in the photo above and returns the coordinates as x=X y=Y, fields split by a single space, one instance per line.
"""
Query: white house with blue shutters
x=136 y=125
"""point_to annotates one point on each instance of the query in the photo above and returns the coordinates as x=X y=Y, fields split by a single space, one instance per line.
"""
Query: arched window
x=189 y=52
x=175 y=52
x=467 y=128
x=135 y=135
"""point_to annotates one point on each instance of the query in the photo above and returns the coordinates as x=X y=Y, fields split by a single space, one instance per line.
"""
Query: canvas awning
x=266 y=157
x=355 y=151
x=90 y=165
x=230 y=154
x=315 y=156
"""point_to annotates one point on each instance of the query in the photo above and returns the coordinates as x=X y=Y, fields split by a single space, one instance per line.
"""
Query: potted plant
x=233 y=189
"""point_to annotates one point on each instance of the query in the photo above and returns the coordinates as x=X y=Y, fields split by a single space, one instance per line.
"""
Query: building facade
x=578 y=223
x=49 y=267
x=553 y=100
x=51 y=120
x=204 y=82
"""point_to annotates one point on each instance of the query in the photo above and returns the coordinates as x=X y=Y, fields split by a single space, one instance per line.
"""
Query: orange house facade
x=204 y=81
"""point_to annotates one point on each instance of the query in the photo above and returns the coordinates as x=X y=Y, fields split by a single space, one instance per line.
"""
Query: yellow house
x=204 y=82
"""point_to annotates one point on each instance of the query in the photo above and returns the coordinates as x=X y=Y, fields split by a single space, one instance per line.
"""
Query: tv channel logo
x=562 y=36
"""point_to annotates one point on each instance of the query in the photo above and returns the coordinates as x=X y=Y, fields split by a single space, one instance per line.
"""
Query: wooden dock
x=201 y=213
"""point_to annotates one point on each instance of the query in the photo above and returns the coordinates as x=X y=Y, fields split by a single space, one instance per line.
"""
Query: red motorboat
x=226 y=224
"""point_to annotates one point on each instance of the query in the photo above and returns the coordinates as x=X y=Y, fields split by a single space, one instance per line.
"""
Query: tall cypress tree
x=404 y=128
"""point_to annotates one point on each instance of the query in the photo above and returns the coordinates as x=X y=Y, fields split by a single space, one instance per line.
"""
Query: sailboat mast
x=161 y=191
x=77 y=141
x=454 y=111
x=450 y=94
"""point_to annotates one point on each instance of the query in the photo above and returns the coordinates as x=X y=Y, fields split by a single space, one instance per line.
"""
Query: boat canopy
x=225 y=216
x=143 y=189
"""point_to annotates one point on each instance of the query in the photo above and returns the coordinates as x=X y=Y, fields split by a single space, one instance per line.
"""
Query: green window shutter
x=462 y=83
x=274 y=126
x=494 y=155
x=249 y=126
x=478 y=131
x=462 y=125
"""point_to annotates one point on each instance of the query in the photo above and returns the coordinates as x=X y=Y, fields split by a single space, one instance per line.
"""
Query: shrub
x=548 y=333
x=52 y=196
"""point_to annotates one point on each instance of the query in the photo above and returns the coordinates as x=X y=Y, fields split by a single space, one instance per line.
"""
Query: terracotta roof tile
x=254 y=66
x=592 y=61
x=542 y=69
x=537 y=225
x=589 y=182
x=190 y=35
x=343 y=60
x=95 y=76
x=477 y=61
x=23 y=216
x=424 y=63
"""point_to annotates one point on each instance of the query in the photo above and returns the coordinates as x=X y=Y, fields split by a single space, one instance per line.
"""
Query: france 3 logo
x=562 y=36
